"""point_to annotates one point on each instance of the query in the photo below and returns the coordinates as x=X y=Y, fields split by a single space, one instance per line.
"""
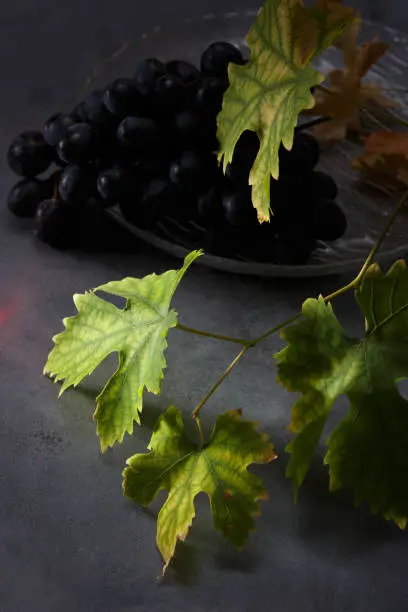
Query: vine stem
x=275 y=329
x=352 y=285
x=200 y=430
x=311 y=124
x=199 y=332
x=219 y=381
x=325 y=90
x=380 y=240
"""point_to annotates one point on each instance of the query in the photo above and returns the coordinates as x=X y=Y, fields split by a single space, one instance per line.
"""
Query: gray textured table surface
x=69 y=541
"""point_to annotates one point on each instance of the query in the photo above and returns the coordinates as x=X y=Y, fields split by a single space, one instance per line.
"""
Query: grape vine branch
x=251 y=343
x=319 y=360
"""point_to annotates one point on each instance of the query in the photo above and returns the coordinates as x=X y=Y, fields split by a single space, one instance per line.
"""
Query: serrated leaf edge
x=269 y=456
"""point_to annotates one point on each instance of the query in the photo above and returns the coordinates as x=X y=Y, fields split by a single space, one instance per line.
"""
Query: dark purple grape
x=57 y=160
x=26 y=195
x=147 y=73
x=139 y=135
x=290 y=195
x=328 y=220
x=168 y=94
x=187 y=130
x=105 y=157
x=188 y=73
x=52 y=183
x=29 y=155
x=54 y=129
x=187 y=126
x=258 y=241
x=76 y=185
x=94 y=110
x=248 y=144
x=79 y=144
x=100 y=233
x=94 y=205
x=236 y=175
x=209 y=138
x=108 y=150
x=215 y=59
x=245 y=153
x=292 y=210
x=193 y=171
x=158 y=198
x=156 y=164
x=293 y=251
x=57 y=224
x=295 y=239
x=115 y=184
x=321 y=185
x=314 y=148
x=124 y=99
x=130 y=203
x=78 y=113
x=302 y=158
x=209 y=206
x=224 y=240
x=209 y=96
x=158 y=194
x=238 y=209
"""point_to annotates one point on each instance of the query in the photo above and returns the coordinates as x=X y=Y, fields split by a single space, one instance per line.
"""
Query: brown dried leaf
x=387 y=143
x=385 y=161
x=348 y=94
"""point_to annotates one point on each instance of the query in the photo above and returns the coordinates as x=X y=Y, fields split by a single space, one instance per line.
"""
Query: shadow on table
x=322 y=523
x=327 y=522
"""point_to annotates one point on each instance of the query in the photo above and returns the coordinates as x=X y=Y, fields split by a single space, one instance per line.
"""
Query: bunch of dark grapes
x=147 y=144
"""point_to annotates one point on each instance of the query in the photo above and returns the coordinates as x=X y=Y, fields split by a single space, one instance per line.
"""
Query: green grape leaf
x=184 y=469
x=368 y=451
x=267 y=94
x=137 y=333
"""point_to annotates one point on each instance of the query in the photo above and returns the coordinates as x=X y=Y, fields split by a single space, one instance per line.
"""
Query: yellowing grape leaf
x=368 y=451
x=267 y=94
x=184 y=469
x=137 y=333
x=385 y=161
x=348 y=93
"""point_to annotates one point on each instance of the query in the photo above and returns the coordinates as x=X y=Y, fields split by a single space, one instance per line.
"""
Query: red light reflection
x=8 y=311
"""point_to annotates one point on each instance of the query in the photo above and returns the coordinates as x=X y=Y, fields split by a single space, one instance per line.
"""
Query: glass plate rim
x=228 y=264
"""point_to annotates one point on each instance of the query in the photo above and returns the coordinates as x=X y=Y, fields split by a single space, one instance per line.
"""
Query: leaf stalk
x=199 y=332
x=200 y=431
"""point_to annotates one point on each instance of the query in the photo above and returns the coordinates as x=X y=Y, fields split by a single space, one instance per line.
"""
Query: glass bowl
x=366 y=210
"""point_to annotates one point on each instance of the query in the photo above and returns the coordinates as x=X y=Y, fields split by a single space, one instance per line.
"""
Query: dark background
x=48 y=48
x=68 y=540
